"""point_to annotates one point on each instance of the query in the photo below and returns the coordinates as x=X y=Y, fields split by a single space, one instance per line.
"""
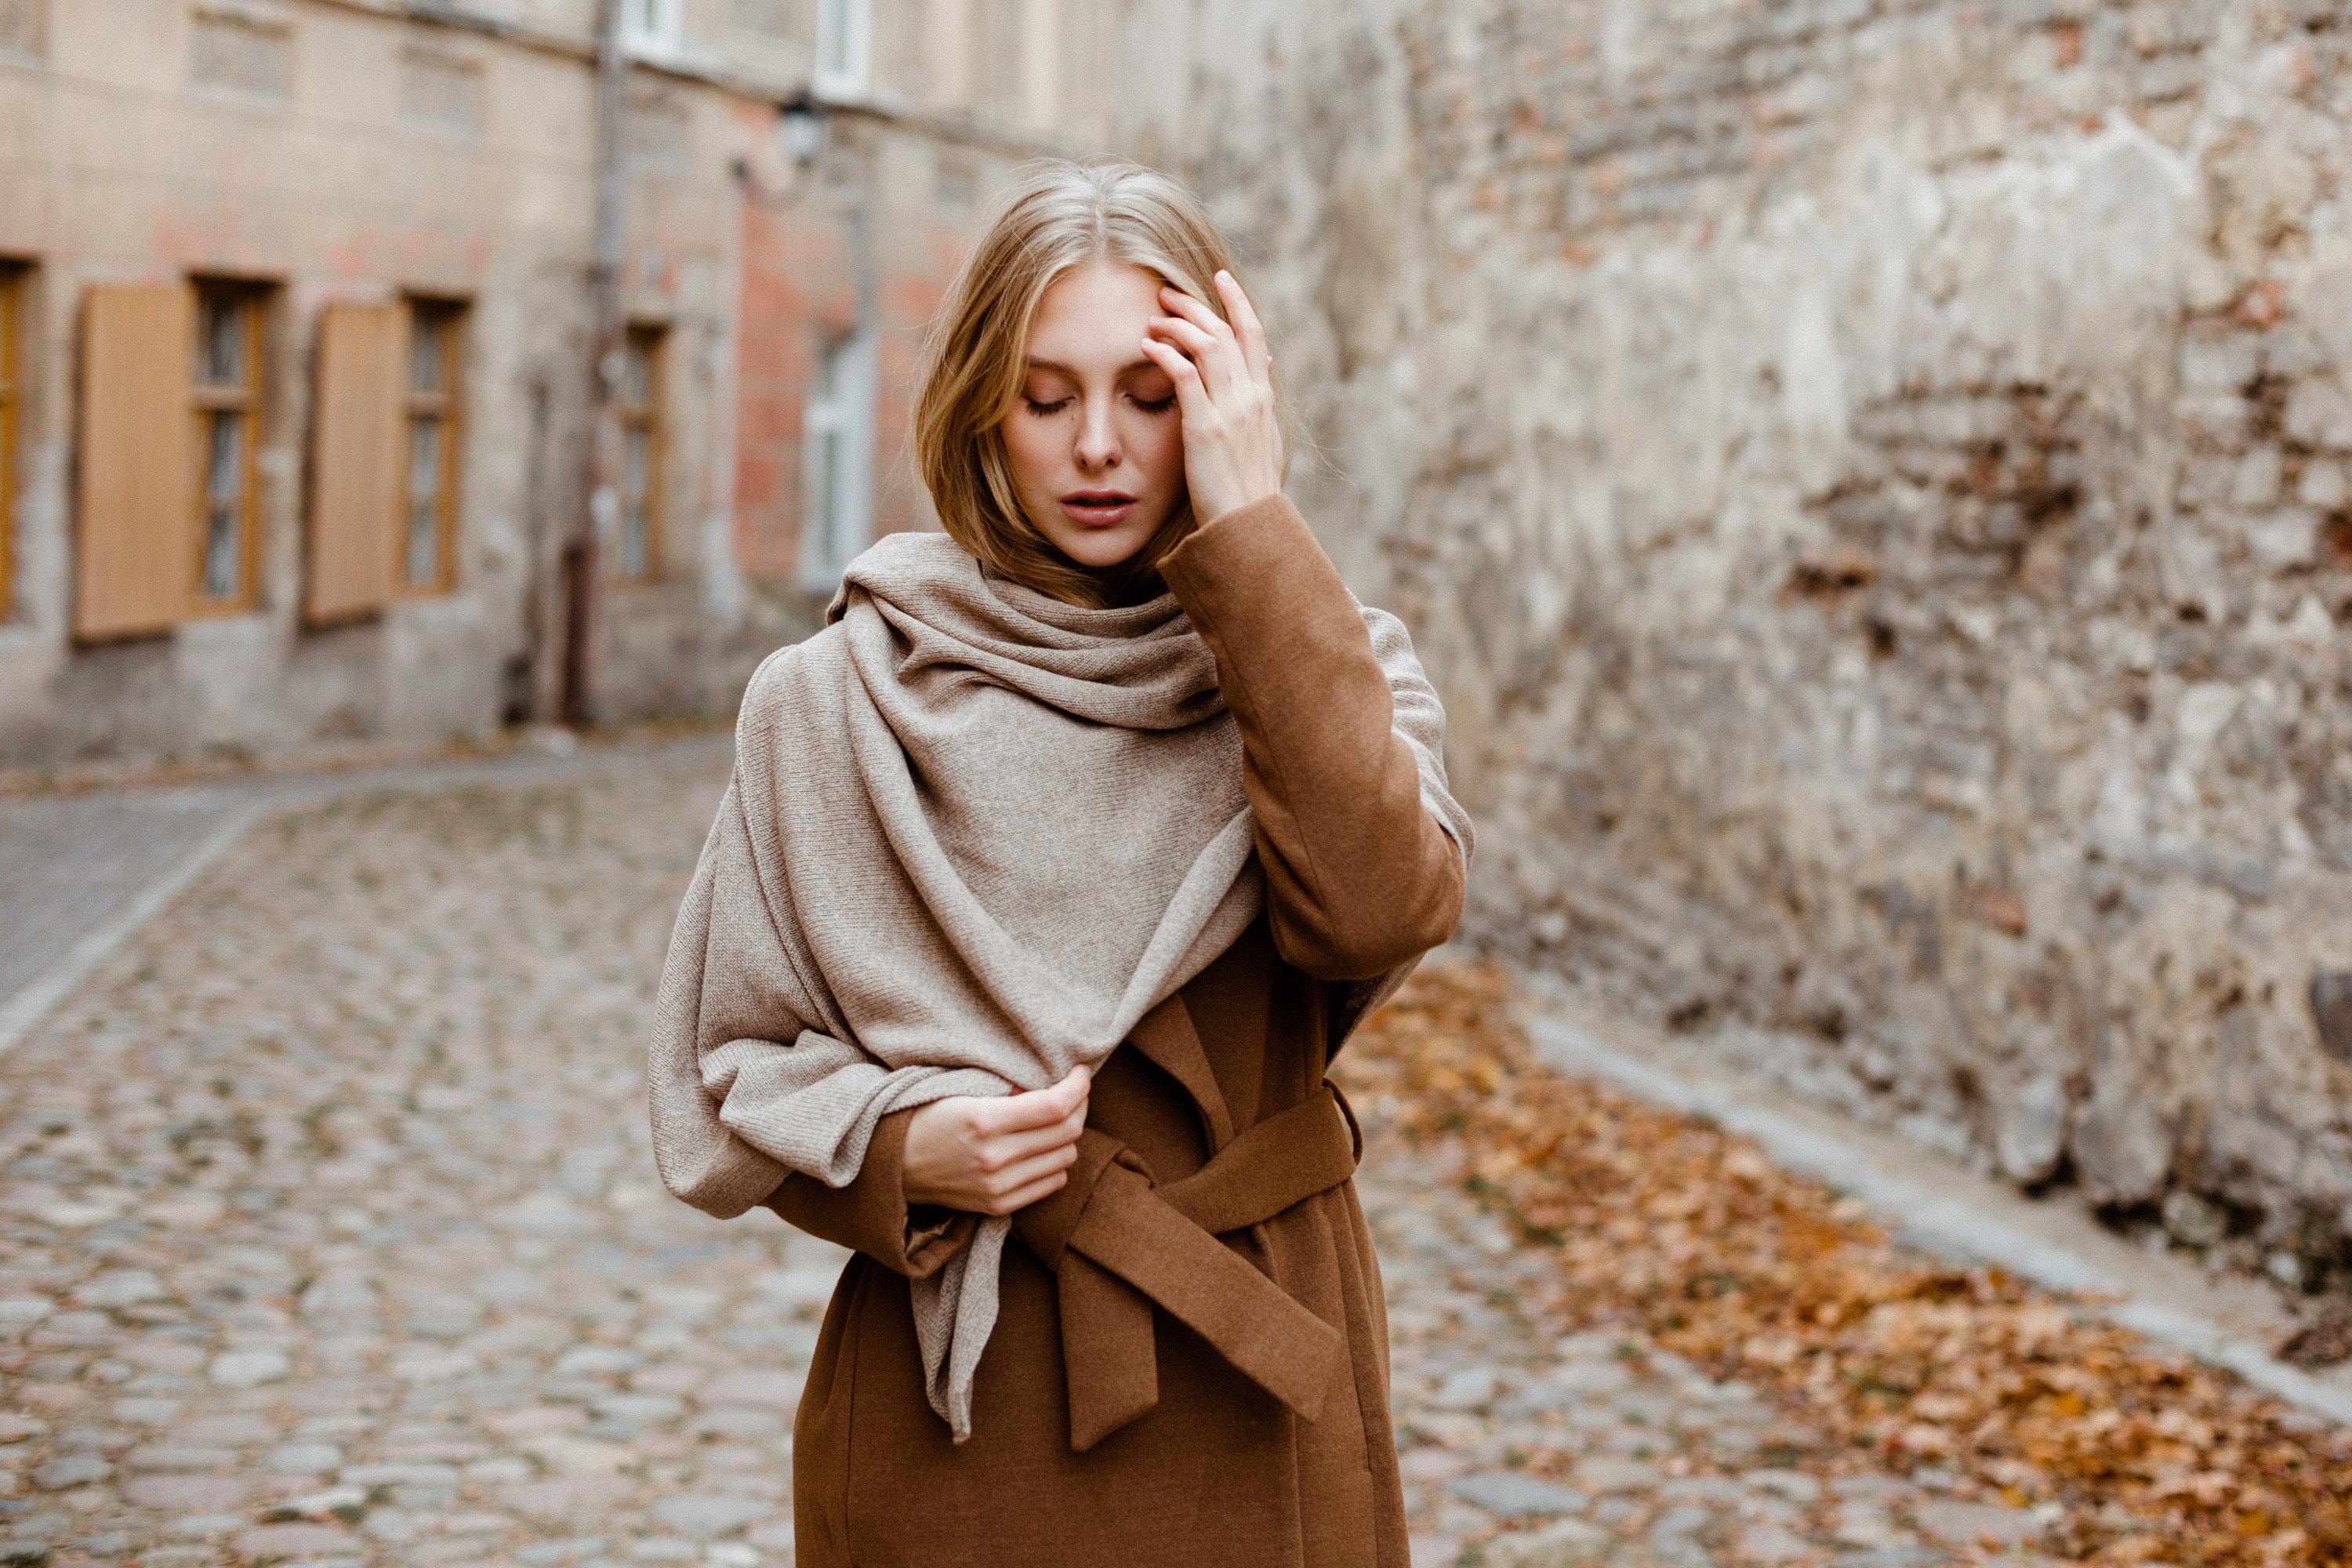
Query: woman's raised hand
x=994 y=1155
x=1224 y=390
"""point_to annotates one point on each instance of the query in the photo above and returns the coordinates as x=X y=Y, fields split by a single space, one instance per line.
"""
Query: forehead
x=1098 y=309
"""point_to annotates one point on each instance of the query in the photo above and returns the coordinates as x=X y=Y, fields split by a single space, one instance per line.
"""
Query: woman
x=1053 y=873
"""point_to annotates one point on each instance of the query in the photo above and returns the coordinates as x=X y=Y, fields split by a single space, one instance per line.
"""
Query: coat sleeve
x=870 y=1215
x=1361 y=879
x=745 y=1089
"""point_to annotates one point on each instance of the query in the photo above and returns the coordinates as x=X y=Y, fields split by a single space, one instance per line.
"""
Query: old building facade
x=295 y=395
x=1871 y=479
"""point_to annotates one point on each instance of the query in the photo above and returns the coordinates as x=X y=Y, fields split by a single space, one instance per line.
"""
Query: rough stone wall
x=1872 y=480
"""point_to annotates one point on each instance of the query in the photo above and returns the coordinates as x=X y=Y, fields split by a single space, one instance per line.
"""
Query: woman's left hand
x=1224 y=389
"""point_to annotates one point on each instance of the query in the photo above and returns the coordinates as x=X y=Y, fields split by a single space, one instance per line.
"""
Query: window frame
x=13 y=281
x=246 y=399
x=653 y=30
x=845 y=27
x=838 y=519
x=445 y=318
x=257 y=27
x=651 y=337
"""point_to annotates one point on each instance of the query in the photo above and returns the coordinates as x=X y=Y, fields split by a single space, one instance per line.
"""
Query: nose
x=1098 y=447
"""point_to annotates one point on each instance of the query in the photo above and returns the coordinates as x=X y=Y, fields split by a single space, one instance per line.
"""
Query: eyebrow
x=1061 y=369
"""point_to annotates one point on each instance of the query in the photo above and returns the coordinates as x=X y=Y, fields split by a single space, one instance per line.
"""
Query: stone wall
x=1872 y=480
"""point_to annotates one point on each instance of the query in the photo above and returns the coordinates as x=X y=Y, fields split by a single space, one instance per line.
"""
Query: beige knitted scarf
x=991 y=831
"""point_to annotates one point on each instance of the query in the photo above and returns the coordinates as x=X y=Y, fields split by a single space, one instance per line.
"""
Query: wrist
x=1226 y=505
x=915 y=1185
x=1203 y=520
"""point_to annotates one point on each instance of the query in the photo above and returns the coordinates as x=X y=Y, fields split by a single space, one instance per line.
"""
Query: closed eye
x=1161 y=406
x=1043 y=409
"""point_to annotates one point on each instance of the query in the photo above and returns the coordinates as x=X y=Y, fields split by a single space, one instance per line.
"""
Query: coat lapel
x=1166 y=1037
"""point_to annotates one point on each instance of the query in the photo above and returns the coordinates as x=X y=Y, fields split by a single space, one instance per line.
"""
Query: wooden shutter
x=135 y=556
x=356 y=469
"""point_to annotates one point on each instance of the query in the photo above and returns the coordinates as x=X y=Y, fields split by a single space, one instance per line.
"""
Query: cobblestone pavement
x=328 y=1234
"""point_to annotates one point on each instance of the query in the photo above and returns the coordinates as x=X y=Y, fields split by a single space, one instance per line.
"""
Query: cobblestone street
x=328 y=1232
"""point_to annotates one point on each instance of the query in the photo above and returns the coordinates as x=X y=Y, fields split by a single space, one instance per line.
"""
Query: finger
x=1003 y=1195
x=1013 y=1202
x=1246 y=326
x=1186 y=337
x=1191 y=397
x=1225 y=363
x=1035 y=1168
x=1198 y=311
x=1036 y=1107
x=1002 y=1151
x=1070 y=1094
x=1071 y=1091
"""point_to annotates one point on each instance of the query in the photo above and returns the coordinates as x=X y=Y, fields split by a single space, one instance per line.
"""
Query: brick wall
x=1871 y=478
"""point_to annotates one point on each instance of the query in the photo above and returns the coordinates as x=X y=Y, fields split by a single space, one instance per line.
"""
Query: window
x=839 y=455
x=12 y=317
x=250 y=56
x=653 y=27
x=845 y=48
x=442 y=92
x=429 y=497
x=638 y=549
x=227 y=397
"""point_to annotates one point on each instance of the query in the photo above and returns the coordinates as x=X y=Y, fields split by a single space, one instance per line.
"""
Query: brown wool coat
x=1152 y=1397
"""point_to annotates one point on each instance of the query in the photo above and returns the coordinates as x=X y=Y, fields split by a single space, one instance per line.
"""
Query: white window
x=844 y=48
x=653 y=27
x=838 y=462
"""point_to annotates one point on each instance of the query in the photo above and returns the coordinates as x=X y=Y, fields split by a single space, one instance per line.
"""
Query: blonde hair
x=1056 y=216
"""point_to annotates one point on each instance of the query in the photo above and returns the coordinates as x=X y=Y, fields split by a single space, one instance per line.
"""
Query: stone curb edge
x=34 y=1000
x=1926 y=1219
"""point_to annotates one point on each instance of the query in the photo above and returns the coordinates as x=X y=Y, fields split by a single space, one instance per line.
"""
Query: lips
x=1098 y=508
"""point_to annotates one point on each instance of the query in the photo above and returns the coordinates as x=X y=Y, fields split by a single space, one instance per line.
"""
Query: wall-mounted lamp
x=803 y=127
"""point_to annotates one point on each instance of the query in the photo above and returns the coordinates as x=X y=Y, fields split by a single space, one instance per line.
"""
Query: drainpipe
x=581 y=571
x=861 y=253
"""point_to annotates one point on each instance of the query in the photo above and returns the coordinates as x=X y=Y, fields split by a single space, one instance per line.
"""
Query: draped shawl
x=989 y=831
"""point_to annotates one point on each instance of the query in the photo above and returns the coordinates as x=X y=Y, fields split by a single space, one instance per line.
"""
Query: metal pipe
x=609 y=362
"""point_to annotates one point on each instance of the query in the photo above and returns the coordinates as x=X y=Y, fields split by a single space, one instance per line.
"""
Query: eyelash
x=1047 y=410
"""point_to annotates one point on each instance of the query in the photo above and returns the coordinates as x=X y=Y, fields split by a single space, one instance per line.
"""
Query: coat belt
x=1119 y=1244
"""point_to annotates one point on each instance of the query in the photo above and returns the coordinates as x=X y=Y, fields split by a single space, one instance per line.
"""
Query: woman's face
x=1096 y=446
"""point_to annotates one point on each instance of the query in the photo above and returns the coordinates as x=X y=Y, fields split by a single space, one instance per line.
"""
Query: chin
x=1103 y=554
x=1102 y=549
